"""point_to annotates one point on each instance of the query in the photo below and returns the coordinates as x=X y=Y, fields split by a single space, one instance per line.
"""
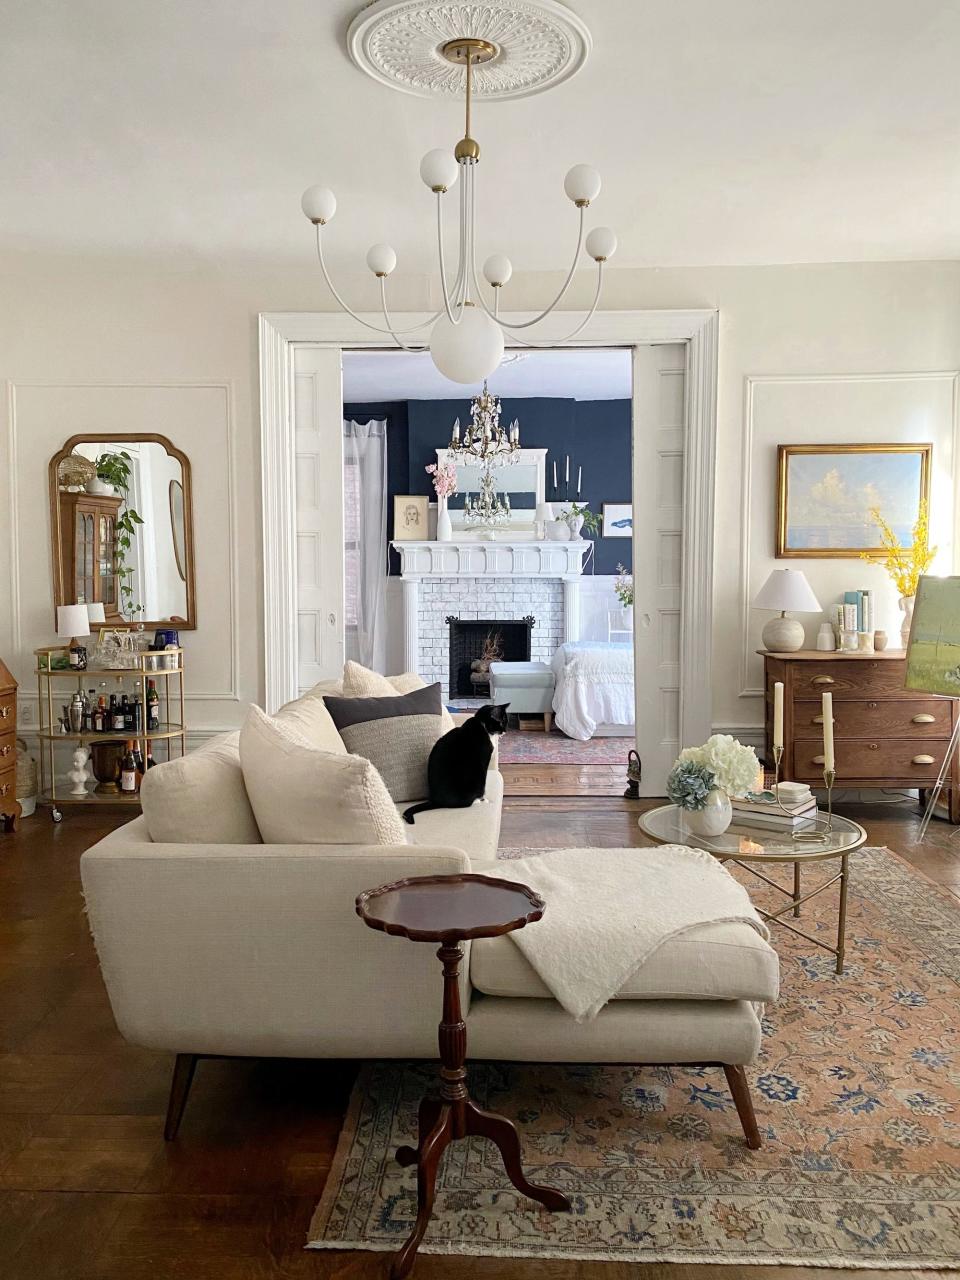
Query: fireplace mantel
x=515 y=559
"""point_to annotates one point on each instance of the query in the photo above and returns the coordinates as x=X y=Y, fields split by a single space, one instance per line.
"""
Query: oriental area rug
x=857 y=1093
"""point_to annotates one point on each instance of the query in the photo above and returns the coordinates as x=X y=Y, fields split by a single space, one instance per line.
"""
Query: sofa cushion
x=475 y=830
x=302 y=795
x=200 y=798
x=361 y=682
x=310 y=717
x=722 y=961
x=396 y=734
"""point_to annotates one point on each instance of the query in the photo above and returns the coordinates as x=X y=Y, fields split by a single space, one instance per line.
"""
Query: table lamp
x=73 y=621
x=785 y=589
x=95 y=613
x=544 y=513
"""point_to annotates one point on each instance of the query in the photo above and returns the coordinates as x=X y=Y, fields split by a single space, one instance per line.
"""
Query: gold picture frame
x=411 y=517
x=825 y=493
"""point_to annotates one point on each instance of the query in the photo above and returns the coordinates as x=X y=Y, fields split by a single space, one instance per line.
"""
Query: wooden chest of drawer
x=872 y=761
x=876 y=718
x=9 y=808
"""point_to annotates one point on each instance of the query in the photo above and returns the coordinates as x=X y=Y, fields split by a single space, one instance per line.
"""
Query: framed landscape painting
x=617 y=520
x=826 y=493
x=933 y=653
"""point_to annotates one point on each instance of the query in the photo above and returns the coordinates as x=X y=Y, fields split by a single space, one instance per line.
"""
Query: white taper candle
x=554 y=473
x=778 y=714
x=827 y=707
x=567 y=476
x=579 y=478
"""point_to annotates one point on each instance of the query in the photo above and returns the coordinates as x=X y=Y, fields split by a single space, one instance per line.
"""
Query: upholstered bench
x=525 y=686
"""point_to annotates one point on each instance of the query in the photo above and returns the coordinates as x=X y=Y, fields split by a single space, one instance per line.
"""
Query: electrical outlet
x=26 y=713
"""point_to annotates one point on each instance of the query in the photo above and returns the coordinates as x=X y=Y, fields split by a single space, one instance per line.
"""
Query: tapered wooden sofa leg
x=183 y=1070
x=740 y=1088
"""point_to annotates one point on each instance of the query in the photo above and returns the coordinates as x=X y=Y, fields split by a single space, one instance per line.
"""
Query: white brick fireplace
x=476 y=580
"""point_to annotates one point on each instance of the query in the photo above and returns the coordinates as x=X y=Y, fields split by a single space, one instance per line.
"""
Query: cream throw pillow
x=310 y=717
x=361 y=682
x=200 y=798
x=303 y=795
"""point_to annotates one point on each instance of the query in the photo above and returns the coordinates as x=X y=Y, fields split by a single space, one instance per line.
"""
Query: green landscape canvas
x=933 y=654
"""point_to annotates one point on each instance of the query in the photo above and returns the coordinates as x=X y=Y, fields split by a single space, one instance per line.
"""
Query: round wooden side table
x=449 y=910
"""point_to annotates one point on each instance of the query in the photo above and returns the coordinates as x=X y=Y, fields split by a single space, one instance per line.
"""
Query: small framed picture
x=617 y=520
x=410 y=518
x=828 y=497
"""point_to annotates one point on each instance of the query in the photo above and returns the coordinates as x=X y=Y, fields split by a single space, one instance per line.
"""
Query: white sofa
x=256 y=950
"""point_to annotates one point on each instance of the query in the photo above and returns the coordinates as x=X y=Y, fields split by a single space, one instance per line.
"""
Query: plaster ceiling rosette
x=539 y=44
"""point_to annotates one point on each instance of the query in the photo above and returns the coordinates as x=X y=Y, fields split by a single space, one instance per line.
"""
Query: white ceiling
x=370 y=376
x=738 y=131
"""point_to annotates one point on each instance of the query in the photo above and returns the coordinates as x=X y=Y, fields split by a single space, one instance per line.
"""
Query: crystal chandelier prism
x=466 y=336
x=484 y=440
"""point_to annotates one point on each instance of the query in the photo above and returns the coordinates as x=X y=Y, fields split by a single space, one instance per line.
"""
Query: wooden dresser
x=9 y=808
x=884 y=735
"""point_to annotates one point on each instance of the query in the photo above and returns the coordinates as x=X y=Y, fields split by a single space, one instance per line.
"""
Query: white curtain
x=365 y=539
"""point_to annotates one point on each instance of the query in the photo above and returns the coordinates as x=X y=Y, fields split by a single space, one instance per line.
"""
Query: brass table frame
x=797 y=854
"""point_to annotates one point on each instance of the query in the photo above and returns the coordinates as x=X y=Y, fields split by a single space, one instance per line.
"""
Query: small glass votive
x=849 y=641
x=865 y=642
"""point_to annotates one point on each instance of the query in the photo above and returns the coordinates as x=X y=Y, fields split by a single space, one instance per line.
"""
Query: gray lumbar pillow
x=395 y=734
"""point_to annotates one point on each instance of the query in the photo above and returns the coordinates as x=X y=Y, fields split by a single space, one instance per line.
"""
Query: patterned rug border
x=947 y=904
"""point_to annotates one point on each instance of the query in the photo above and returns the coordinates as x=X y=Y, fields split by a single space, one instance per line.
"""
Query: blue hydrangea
x=689 y=784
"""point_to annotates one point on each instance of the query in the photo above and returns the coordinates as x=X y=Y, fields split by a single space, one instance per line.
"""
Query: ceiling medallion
x=537 y=44
x=466 y=335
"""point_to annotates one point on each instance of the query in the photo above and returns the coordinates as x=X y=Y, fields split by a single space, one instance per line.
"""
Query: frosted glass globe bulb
x=319 y=204
x=497 y=269
x=601 y=244
x=381 y=259
x=468 y=351
x=438 y=170
x=582 y=184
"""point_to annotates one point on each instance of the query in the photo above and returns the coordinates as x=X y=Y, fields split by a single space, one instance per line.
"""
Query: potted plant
x=445 y=486
x=704 y=778
x=623 y=590
x=905 y=564
x=113 y=469
x=581 y=517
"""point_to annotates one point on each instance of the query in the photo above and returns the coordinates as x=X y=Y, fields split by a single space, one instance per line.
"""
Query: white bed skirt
x=594 y=693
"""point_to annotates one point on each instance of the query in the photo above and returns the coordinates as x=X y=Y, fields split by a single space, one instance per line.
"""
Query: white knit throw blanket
x=608 y=910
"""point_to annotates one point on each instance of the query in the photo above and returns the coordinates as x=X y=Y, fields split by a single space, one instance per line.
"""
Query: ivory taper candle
x=778 y=714
x=555 y=474
x=579 y=479
x=827 y=706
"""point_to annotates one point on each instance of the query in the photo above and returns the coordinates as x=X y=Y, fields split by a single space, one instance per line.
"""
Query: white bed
x=594 y=690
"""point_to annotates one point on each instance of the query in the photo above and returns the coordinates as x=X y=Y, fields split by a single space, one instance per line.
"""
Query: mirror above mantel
x=122 y=529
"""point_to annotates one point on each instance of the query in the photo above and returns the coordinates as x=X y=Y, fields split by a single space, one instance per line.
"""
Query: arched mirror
x=122 y=529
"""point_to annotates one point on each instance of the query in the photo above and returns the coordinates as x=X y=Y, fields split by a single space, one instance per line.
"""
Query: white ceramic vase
x=575 y=524
x=444 y=527
x=715 y=816
x=906 y=608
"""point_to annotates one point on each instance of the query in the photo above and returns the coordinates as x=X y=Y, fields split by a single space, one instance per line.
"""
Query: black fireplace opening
x=475 y=642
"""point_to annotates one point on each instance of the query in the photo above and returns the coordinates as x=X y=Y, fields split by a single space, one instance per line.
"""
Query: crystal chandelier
x=484 y=440
x=466 y=335
x=489 y=510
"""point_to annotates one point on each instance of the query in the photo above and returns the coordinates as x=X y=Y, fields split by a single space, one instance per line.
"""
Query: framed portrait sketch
x=410 y=517
x=617 y=520
x=826 y=494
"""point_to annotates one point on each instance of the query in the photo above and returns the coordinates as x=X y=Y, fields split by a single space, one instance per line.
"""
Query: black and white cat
x=458 y=764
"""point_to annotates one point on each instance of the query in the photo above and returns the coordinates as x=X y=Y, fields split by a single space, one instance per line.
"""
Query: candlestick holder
x=817 y=836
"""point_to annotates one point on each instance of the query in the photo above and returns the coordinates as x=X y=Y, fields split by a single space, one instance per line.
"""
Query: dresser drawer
x=872 y=758
x=876 y=718
x=8 y=782
x=8 y=748
x=8 y=711
x=854 y=678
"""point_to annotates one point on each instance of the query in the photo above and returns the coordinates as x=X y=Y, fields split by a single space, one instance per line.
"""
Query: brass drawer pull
x=5 y=750
x=817 y=720
x=874 y=746
x=5 y=712
x=923 y=717
x=923 y=760
x=819 y=759
x=823 y=680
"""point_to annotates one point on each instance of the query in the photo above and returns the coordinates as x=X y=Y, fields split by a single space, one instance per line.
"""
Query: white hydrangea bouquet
x=704 y=778
x=735 y=768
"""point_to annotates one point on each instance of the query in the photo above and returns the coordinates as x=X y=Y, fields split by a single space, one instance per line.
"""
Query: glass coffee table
x=750 y=847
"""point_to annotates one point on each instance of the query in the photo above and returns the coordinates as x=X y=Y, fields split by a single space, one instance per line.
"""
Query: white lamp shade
x=381 y=259
x=319 y=204
x=787 y=589
x=72 y=620
x=582 y=183
x=601 y=244
x=439 y=169
x=497 y=269
x=95 y=613
x=544 y=512
x=468 y=351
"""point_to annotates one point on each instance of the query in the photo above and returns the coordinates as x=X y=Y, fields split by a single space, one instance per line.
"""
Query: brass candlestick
x=809 y=837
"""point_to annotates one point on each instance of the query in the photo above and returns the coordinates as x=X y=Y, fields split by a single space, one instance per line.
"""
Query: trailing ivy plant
x=114 y=468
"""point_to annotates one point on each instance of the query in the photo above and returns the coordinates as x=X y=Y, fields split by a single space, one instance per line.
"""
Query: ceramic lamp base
x=782 y=635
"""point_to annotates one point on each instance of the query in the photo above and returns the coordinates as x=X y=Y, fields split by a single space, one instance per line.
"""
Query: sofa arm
x=257 y=949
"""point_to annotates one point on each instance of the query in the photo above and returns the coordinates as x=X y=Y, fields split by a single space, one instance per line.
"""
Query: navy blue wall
x=595 y=433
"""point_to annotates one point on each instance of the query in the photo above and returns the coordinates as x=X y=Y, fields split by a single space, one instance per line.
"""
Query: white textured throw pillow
x=361 y=682
x=303 y=795
x=200 y=798
x=309 y=716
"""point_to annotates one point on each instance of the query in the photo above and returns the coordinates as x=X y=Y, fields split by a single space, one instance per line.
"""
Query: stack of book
x=760 y=809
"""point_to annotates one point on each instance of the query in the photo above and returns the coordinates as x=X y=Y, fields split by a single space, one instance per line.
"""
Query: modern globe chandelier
x=402 y=44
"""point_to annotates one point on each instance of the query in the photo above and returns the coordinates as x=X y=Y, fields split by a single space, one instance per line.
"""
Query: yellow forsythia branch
x=904 y=565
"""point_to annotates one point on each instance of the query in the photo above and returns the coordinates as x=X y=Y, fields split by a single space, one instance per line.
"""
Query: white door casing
x=318 y=467
x=658 y=446
x=284 y=334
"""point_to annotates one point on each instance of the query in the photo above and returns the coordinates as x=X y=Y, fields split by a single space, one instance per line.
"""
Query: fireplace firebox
x=482 y=640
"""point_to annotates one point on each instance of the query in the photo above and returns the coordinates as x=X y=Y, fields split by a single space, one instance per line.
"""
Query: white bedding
x=594 y=686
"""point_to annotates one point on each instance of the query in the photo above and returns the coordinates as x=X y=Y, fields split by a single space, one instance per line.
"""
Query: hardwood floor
x=88 y=1188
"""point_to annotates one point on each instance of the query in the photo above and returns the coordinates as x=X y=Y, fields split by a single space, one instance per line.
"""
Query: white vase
x=715 y=816
x=628 y=617
x=98 y=486
x=906 y=607
x=444 y=527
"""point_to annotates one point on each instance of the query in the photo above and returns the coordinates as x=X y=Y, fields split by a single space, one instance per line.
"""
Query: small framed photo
x=410 y=522
x=617 y=520
x=827 y=496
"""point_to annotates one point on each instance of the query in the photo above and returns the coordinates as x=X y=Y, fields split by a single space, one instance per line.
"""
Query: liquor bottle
x=90 y=707
x=137 y=714
x=116 y=715
x=138 y=759
x=150 y=760
x=77 y=656
x=128 y=772
x=153 y=707
x=127 y=714
x=99 y=716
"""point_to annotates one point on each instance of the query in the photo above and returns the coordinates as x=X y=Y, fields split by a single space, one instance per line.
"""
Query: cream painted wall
x=175 y=343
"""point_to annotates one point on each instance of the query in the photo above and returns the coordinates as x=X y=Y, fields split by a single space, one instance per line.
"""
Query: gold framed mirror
x=121 y=513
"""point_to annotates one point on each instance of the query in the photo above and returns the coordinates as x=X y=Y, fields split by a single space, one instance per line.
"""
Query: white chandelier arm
x=559 y=342
x=424 y=324
x=451 y=300
x=527 y=324
x=394 y=333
